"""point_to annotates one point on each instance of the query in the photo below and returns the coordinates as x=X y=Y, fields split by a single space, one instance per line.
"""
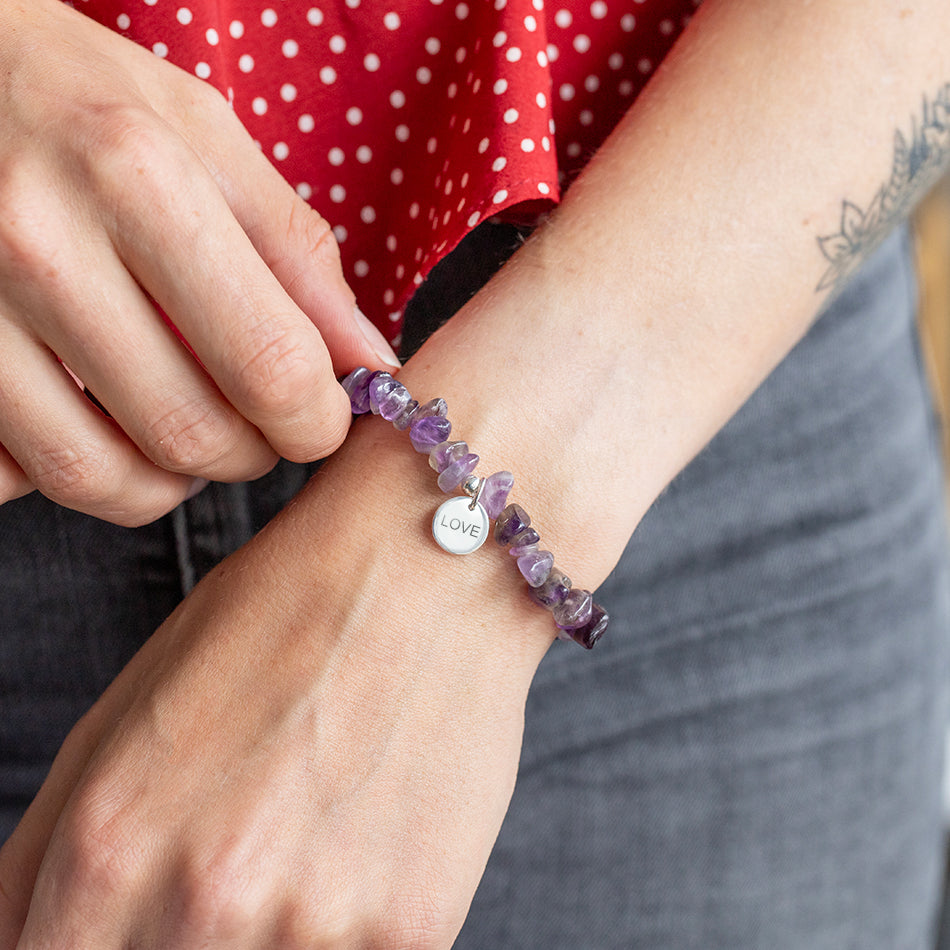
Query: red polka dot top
x=408 y=122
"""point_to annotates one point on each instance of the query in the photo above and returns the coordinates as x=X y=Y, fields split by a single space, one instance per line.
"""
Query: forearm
x=684 y=263
x=354 y=694
x=681 y=267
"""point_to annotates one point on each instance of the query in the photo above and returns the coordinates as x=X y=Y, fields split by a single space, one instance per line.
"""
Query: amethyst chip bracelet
x=461 y=524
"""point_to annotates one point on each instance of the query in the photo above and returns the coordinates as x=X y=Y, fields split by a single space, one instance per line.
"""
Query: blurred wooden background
x=932 y=224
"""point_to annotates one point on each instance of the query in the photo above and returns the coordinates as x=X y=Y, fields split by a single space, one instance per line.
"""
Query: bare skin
x=117 y=164
x=317 y=751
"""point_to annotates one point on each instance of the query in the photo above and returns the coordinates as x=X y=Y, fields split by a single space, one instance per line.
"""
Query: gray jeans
x=751 y=758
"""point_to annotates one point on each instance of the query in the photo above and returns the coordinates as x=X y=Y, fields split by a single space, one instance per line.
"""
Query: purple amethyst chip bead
x=388 y=397
x=434 y=407
x=373 y=380
x=510 y=523
x=553 y=591
x=575 y=610
x=454 y=473
x=443 y=454
x=536 y=566
x=356 y=386
x=593 y=630
x=407 y=416
x=428 y=432
x=494 y=493
x=524 y=538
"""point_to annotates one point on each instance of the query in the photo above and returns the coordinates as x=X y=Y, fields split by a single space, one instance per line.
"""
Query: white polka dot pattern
x=407 y=123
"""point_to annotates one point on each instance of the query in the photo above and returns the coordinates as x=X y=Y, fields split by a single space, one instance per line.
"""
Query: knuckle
x=308 y=229
x=277 y=372
x=297 y=929
x=403 y=922
x=129 y=139
x=188 y=437
x=29 y=238
x=80 y=478
x=316 y=438
x=99 y=854
x=297 y=241
x=186 y=102
x=218 y=898
x=72 y=474
x=137 y=161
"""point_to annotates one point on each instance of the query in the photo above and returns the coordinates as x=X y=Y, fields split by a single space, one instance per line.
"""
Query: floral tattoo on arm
x=917 y=165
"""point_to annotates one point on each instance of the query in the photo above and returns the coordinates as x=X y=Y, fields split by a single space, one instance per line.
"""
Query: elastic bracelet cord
x=461 y=524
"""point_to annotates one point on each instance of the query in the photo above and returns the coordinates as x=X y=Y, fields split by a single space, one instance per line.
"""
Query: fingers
x=194 y=259
x=111 y=202
x=85 y=889
x=299 y=247
x=108 y=333
x=296 y=243
x=67 y=448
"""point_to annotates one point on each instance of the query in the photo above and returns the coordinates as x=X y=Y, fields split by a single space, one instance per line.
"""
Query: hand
x=123 y=181
x=278 y=768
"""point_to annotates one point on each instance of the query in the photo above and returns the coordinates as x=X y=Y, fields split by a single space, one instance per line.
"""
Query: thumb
x=297 y=244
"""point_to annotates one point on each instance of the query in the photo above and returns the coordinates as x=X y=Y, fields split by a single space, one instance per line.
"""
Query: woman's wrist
x=368 y=568
x=463 y=522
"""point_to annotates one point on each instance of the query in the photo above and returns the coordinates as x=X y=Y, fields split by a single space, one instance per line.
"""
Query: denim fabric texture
x=750 y=759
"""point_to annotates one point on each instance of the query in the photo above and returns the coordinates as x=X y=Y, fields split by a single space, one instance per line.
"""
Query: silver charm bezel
x=455 y=541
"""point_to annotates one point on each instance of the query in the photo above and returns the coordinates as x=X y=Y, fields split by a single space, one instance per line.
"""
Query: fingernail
x=197 y=486
x=376 y=340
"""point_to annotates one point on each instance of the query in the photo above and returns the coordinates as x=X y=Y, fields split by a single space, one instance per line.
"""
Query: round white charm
x=458 y=528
